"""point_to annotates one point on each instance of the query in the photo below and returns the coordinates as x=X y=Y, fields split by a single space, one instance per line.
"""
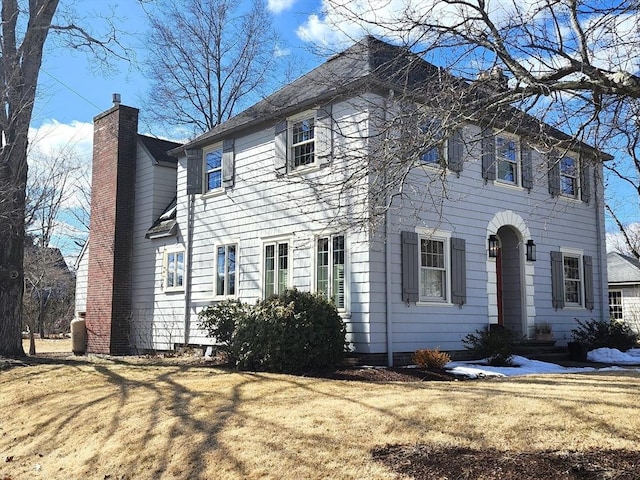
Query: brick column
x=111 y=230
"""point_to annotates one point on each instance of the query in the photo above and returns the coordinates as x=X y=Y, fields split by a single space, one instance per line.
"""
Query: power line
x=71 y=89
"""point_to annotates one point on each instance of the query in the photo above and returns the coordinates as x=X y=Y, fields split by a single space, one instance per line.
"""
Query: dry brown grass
x=103 y=418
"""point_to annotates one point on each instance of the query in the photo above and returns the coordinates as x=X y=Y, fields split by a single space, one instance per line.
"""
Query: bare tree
x=25 y=28
x=211 y=58
x=571 y=64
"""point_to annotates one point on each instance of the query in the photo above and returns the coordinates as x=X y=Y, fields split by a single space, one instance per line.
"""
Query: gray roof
x=158 y=148
x=622 y=268
x=374 y=66
x=369 y=63
x=166 y=223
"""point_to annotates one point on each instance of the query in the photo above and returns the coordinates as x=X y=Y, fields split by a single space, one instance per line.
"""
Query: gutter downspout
x=387 y=258
x=603 y=268
x=187 y=273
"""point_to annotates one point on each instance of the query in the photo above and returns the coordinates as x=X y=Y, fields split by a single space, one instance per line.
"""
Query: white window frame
x=576 y=254
x=173 y=273
x=441 y=151
x=276 y=243
x=499 y=159
x=207 y=171
x=438 y=236
x=619 y=306
x=330 y=270
x=575 y=177
x=309 y=115
x=226 y=293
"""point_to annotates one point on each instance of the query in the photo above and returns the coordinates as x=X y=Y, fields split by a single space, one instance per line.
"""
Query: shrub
x=220 y=319
x=543 y=327
x=495 y=344
x=290 y=332
x=430 y=358
x=600 y=333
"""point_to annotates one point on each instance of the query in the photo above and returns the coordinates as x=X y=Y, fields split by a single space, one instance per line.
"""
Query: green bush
x=290 y=332
x=494 y=344
x=600 y=333
x=220 y=319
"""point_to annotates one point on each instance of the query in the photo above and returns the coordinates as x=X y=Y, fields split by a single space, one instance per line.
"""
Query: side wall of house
x=155 y=189
x=630 y=305
x=82 y=274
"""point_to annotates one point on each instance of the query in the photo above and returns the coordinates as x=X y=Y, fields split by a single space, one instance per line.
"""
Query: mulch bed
x=386 y=374
x=458 y=463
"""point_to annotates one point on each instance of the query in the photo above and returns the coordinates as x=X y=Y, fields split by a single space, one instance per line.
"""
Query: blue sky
x=73 y=89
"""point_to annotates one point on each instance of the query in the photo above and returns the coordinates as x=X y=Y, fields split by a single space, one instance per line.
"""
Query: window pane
x=214 y=179
x=322 y=261
x=269 y=270
x=179 y=268
x=303 y=131
x=220 y=271
x=433 y=283
x=615 y=305
x=303 y=154
x=170 y=269
x=231 y=270
x=338 y=271
x=283 y=267
x=302 y=142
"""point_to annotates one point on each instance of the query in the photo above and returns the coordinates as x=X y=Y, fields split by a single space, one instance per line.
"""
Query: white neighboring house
x=624 y=289
x=255 y=206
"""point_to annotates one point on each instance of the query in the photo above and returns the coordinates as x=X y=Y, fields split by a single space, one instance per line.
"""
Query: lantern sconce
x=531 y=251
x=493 y=246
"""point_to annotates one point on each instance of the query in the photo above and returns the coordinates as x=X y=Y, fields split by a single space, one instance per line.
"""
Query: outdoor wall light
x=531 y=251
x=493 y=246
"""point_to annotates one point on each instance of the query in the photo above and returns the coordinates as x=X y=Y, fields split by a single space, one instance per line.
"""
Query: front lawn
x=112 y=418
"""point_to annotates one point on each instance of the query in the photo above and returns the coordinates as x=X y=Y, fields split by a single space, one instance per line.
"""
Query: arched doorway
x=509 y=281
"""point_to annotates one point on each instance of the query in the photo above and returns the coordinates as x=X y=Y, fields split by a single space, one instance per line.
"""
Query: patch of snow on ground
x=521 y=366
x=615 y=356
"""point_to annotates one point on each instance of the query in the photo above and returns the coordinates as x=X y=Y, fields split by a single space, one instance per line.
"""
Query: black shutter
x=458 y=271
x=557 y=280
x=585 y=182
x=455 y=151
x=554 y=175
x=527 y=168
x=410 y=262
x=280 y=142
x=194 y=171
x=488 y=155
x=228 y=163
x=323 y=132
x=588 y=281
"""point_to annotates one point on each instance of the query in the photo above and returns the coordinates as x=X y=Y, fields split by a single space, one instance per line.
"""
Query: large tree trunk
x=11 y=253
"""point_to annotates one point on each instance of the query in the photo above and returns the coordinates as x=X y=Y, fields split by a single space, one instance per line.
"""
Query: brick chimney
x=111 y=229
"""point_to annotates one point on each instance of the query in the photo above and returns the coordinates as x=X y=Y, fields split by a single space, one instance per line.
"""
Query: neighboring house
x=508 y=235
x=624 y=289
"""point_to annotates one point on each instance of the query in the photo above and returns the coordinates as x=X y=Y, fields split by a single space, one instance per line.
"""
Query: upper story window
x=304 y=141
x=173 y=271
x=569 y=176
x=507 y=160
x=213 y=167
x=302 y=145
x=432 y=156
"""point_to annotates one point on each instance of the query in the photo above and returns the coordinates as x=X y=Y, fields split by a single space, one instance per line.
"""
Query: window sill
x=423 y=303
x=573 y=307
x=511 y=186
x=173 y=290
x=569 y=198
x=213 y=193
x=304 y=169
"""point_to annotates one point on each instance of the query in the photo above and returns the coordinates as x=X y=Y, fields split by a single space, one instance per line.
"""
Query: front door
x=509 y=281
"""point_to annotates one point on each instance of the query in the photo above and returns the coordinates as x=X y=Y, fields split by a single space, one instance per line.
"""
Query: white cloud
x=54 y=138
x=279 y=6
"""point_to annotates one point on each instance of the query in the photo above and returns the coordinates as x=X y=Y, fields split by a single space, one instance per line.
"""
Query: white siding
x=82 y=273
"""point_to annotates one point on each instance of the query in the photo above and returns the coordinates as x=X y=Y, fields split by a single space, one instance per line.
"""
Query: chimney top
x=116 y=99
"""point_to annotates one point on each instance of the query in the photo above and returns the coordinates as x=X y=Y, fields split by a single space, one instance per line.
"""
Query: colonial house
x=624 y=289
x=315 y=188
